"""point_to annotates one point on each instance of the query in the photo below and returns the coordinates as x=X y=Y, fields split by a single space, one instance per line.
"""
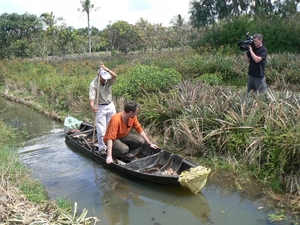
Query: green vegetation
x=226 y=34
x=214 y=119
x=13 y=172
x=189 y=79
x=141 y=80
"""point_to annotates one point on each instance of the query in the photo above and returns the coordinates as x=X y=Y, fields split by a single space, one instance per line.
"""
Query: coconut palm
x=50 y=22
x=87 y=7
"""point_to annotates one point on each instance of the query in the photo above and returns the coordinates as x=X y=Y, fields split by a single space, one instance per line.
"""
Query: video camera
x=244 y=45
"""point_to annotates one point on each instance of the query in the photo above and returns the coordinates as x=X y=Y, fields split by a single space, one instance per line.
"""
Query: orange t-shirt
x=118 y=129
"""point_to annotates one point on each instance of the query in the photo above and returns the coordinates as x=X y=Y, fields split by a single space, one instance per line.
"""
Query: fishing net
x=195 y=178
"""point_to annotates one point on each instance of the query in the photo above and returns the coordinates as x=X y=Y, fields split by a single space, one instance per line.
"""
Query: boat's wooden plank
x=120 y=162
x=82 y=132
x=168 y=163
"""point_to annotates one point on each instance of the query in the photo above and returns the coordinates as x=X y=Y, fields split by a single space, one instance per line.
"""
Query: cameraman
x=257 y=57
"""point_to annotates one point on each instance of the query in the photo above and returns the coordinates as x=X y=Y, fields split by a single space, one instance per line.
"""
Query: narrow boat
x=153 y=165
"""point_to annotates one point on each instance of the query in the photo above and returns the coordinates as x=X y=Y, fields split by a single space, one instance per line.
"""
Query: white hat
x=105 y=75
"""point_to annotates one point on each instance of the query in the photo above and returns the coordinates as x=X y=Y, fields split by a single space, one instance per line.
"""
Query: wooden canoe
x=153 y=165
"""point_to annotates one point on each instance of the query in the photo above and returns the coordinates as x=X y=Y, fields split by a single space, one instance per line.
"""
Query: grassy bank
x=206 y=114
x=23 y=199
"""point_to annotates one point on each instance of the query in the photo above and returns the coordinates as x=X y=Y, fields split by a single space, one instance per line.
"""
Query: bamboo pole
x=95 y=121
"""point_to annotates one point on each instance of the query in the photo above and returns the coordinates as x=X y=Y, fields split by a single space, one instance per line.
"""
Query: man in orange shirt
x=118 y=138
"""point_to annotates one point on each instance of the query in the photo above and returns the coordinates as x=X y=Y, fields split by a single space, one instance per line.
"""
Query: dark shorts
x=257 y=84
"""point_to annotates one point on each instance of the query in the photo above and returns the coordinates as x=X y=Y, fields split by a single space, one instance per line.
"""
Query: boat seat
x=173 y=163
x=81 y=134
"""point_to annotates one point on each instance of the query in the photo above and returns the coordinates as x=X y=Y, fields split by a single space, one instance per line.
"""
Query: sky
x=110 y=11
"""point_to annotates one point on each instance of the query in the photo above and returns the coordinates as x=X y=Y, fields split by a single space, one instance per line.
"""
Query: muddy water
x=116 y=199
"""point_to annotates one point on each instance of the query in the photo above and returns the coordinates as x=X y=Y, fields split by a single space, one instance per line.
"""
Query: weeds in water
x=68 y=218
x=64 y=204
x=277 y=216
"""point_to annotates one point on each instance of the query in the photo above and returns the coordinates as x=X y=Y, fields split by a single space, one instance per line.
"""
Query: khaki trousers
x=127 y=144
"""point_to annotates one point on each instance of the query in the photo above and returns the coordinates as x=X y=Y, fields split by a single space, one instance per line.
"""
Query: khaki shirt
x=105 y=90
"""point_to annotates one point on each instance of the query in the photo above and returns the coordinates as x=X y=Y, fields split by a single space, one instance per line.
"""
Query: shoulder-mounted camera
x=244 y=45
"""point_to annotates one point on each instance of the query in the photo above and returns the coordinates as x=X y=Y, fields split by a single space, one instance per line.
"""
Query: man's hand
x=103 y=66
x=109 y=160
x=250 y=48
x=95 y=109
x=153 y=146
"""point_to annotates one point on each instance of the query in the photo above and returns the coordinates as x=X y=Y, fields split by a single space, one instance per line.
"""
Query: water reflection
x=117 y=198
x=26 y=119
x=121 y=197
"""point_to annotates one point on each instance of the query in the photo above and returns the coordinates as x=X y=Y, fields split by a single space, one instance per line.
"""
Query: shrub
x=145 y=79
x=212 y=79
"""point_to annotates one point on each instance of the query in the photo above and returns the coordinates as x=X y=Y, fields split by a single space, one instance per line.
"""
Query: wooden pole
x=95 y=121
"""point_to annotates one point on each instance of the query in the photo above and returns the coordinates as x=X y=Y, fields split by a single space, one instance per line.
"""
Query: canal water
x=113 y=198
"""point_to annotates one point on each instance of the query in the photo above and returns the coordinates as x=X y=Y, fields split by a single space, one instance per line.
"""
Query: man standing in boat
x=105 y=107
x=118 y=138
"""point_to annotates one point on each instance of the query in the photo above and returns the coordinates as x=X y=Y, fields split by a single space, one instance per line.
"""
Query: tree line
x=213 y=24
x=209 y=12
x=31 y=36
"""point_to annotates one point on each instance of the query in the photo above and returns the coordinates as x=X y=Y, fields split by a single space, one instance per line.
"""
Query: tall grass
x=13 y=173
x=261 y=132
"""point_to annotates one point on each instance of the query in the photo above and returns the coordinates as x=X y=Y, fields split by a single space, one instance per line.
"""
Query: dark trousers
x=257 y=84
x=125 y=145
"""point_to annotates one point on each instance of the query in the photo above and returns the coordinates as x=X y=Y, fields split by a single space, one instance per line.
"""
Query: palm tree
x=87 y=7
x=50 y=21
